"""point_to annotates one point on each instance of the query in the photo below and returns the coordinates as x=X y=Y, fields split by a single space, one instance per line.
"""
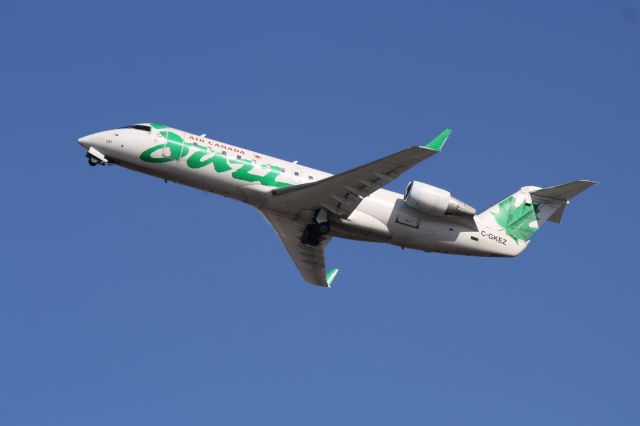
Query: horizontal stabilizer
x=560 y=196
x=564 y=192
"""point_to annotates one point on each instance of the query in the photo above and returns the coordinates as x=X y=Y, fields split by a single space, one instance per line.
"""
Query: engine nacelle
x=435 y=201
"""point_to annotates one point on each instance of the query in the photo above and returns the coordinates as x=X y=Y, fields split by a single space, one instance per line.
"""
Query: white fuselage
x=250 y=177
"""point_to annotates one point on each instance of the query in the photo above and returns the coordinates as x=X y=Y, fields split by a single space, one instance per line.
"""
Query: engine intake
x=435 y=201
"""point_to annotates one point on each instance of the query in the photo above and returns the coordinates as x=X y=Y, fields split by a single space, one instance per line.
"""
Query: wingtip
x=438 y=142
x=331 y=275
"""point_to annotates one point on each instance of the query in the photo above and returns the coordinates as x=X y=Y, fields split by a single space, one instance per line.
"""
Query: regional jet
x=307 y=207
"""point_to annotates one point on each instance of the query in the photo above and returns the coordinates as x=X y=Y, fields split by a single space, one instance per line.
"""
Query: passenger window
x=224 y=153
x=310 y=177
x=238 y=157
x=296 y=173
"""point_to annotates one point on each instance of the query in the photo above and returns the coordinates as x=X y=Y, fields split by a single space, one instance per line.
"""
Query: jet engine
x=435 y=201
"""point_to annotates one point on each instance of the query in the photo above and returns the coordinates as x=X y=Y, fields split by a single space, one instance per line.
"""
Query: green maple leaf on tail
x=516 y=220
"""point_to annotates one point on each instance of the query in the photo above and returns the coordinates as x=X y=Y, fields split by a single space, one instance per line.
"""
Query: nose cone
x=86 y=141
x=90 y=140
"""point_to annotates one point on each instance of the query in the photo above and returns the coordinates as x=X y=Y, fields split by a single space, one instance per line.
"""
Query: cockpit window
x=138 y=127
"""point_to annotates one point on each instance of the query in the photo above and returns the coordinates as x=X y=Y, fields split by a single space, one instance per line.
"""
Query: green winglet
x=331 y=275
x=438 y=142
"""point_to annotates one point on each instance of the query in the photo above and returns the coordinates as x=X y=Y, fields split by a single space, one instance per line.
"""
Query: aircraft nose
x=86 y=141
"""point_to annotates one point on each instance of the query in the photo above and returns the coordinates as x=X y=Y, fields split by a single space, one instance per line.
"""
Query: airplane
x=307 y=207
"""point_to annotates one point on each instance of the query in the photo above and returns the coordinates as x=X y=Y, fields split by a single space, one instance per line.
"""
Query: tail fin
x=521 y=215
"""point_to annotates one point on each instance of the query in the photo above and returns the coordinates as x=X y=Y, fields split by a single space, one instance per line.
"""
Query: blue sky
x=125 y=300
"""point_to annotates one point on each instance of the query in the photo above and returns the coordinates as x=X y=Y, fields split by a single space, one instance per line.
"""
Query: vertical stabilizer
x=522 y=214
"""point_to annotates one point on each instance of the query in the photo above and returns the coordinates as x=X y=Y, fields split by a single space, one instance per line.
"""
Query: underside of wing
x=340 y=194
x=309 y=259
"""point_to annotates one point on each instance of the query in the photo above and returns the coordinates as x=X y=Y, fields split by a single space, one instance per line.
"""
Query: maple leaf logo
x=516 y=221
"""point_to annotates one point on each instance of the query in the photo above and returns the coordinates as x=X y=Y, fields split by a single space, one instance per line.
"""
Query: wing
x=308 y=259
x=340 y=194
